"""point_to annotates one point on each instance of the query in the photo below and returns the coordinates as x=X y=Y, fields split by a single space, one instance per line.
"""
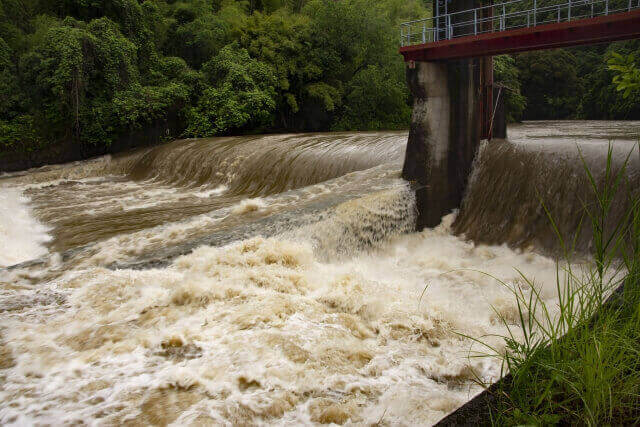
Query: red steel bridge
x=517 y=26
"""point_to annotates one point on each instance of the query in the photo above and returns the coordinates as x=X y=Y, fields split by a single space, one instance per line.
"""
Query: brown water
x=517 y=185
x=91 y=201
x=276 y=279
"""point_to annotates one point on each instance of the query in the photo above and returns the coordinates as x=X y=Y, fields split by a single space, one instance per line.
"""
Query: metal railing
x=507 y=16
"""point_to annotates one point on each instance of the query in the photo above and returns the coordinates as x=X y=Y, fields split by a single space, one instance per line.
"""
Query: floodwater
x=272 y=280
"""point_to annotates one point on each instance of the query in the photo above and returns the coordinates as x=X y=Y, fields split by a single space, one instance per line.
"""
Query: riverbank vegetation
x=93 y=72
x=581 y=366
x=576 y=83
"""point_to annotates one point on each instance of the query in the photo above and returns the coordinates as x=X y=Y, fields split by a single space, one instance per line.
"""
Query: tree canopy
x=578 y=83
x=93 y=70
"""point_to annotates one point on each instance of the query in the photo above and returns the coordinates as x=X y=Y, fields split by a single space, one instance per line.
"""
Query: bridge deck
x=483 y=32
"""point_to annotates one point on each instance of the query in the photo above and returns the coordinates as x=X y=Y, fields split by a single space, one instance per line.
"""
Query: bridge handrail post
x=558 y=13
x=535 y=6
x=475 y=21
x=606 y=7
x=569 y=12
x=437 y=19
x=629 y=5
x=424 y=32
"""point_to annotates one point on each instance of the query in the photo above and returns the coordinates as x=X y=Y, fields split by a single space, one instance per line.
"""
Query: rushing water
x=272 y=279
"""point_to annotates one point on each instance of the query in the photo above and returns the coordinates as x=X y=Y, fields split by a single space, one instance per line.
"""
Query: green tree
x=84 y=83
x=282 y=40
x=507 y=74
x=549 y=81
x=195 y=32
x=627 y=73
x=73 y=71
x=17 y=132
x=348 y=37
x=600 y=97
x=240 y=96
x=10 y=101
x=374 y=100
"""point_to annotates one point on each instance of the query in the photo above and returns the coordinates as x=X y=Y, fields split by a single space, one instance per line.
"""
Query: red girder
x=601 y=29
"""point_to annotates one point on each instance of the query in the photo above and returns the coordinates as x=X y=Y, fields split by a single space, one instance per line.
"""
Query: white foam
x=22 y=237
x=249 y=205
x=263 y=331
x=205 y=194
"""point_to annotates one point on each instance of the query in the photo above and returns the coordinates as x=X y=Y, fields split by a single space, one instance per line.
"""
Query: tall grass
x=579 y=363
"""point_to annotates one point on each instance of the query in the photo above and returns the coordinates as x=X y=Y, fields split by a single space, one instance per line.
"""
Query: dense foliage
x=627 y=73
x=577 y=83
x=506 y=75
x=93 y=71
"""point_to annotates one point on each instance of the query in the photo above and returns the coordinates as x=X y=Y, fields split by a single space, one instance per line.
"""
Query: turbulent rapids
x=274 y=279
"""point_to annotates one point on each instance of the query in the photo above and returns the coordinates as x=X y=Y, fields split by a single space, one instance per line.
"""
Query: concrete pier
x=444 y=134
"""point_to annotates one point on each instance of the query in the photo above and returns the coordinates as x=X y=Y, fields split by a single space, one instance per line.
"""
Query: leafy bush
x=374 y=100
x=241 y=95
x=507 y=74
x=19 y=134
x=627 y=73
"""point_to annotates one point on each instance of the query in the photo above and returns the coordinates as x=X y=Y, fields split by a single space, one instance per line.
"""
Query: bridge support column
x=444 y=134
